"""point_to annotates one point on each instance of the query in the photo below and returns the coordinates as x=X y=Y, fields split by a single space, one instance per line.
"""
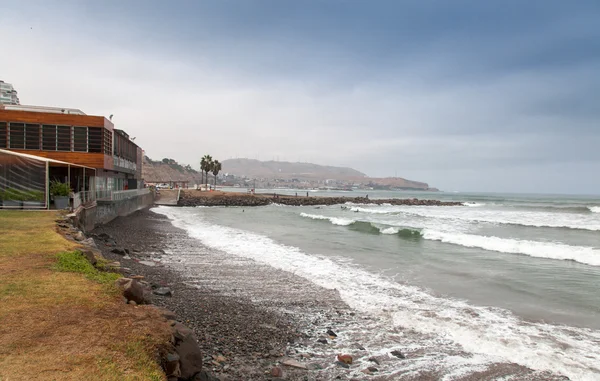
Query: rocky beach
x=257 y=322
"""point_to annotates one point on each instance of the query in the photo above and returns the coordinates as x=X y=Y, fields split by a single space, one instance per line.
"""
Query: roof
x=44 y=159
x=54 y=110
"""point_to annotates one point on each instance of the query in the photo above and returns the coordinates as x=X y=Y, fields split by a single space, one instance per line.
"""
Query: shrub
x=59 y=189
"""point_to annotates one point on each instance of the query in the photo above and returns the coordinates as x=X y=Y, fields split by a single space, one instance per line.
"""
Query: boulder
x=342 y=364
x=181 y=332
x=190 y=357
x=90 y=256
x=331 y=333
x=398 y=354
x=79 y=236
x=118 y=250
x=276 y=372
x=133 y=290
x=171 y=365
x=322 y=341
x=163 y=291
x=346 y=359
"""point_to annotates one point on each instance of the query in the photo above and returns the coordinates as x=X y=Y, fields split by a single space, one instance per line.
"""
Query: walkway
x=167 y=197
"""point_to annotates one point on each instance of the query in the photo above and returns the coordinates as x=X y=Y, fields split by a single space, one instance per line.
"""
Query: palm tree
x=206 y=165
x=216 y=168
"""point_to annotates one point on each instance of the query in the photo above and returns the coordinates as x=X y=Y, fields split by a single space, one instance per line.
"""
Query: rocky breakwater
x=196 y=198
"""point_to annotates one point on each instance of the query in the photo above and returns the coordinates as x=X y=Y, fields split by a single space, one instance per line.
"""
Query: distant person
x=306 y=194
x=367 y=197
x=296 y=194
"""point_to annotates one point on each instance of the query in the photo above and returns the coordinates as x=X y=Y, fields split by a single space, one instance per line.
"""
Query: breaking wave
x=550 y=250
x=367 y=227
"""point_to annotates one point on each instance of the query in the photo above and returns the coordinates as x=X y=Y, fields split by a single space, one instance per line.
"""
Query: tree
x=206 y=165
x=216 y=168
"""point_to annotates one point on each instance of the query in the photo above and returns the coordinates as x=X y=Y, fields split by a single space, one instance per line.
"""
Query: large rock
x=91 y=256
x=133 y=290
x=190 y=357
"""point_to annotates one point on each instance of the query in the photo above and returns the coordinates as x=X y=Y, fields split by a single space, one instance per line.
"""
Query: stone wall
x=106 y=211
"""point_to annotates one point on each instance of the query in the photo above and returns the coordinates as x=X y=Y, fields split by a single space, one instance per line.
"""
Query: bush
x=59 y=189
x=75 y=262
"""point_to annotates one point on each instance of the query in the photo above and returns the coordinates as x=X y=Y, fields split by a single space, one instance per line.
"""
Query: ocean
x=506 y=278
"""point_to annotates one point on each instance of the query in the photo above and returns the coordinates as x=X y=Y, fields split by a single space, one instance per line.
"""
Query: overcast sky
x=465 y=95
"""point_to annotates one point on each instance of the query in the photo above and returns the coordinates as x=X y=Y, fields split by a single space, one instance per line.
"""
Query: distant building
x=8 y=94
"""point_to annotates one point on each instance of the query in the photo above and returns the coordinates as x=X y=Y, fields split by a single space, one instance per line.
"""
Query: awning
x=44 y=159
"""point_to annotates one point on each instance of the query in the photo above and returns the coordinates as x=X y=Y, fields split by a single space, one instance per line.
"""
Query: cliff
x=286 y=170
x=169 y=170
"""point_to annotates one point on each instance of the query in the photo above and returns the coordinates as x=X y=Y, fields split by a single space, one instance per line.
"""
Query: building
x=8 y=94
x=71 y=136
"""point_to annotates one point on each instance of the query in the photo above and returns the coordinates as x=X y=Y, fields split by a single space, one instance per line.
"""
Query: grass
x=75 y=262
x=62 y=319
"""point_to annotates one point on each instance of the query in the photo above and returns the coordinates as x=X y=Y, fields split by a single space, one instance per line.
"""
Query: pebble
x=398 y=354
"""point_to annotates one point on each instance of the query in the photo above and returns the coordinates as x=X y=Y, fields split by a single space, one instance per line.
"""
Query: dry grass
x=66 y=325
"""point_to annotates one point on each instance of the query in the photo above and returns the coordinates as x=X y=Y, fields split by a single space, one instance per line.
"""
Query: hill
x=286 y=170
x=168 y=170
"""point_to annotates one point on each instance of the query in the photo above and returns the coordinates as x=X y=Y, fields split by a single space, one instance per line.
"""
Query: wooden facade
x=80 y=139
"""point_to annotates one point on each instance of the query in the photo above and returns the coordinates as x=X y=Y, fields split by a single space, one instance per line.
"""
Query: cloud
x=459 y=97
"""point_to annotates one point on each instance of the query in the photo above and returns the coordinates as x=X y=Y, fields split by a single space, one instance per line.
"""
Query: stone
x=373 y=359
x=342 y=364
x=89 y=242
x=276 y=372
x=203 y=375
x=133 y=290
x=293 y=363
x=172 y=368
x=148 y=263
x=118 y=250
x=346 y=359
x=190 y=357
x=163 y=291
x=132 y=302
x=331 y=333
x=359 y=347
x=167 y=314
x=104 y=236
x=398 y=354
x=137 y=277
x=181 y=332
x=322 y=341
x=90 y=256
x=79 y=236
x=220 y=359
x=372 y=369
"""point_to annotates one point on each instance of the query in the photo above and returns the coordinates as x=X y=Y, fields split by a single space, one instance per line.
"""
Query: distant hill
x=286 y=170
x=166 y=170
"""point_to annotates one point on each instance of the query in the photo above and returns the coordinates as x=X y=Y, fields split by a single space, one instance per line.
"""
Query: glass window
x=17 y=135
x=3 y=135
x=63 y=138
x=80 y=139
x=94 y=139
x=49 y=138
x=32 y=136
x=107 y=142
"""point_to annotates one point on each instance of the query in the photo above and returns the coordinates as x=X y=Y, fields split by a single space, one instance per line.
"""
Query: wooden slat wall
x=94 y=160
x=50 y=118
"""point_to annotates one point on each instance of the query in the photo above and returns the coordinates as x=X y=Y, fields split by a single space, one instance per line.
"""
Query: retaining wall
x=106 y=211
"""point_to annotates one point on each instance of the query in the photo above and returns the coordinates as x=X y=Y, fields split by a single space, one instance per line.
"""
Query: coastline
x=257 y=317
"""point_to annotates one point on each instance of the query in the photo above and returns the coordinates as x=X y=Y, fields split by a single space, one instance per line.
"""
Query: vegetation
x=207 y=164
x=60 y=317
x=216 y=168
x=59 y=189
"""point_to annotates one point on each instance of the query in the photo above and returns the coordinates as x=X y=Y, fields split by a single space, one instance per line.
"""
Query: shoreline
x=190 y=197
x=250 y=318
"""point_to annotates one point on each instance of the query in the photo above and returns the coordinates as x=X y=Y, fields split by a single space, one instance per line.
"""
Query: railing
x=86 y=198
x=110 y=195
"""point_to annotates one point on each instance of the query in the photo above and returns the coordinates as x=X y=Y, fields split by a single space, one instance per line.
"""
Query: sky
x=493 y=96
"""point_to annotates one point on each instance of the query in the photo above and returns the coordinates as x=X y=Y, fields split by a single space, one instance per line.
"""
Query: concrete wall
x=106 y=211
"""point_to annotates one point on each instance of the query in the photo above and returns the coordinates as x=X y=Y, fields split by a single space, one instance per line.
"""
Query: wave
x=550 y=250
x=473 y=204
x=334 y=220
x=367 y=227
x=489 y=334
x=594 y=209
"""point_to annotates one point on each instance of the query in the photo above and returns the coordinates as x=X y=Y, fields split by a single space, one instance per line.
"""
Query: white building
x=8 y=94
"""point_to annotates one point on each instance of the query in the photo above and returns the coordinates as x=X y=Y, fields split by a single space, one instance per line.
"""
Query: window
x=94 y=139
x=107 y=142
x=63 y=138
x=80 y=139
x=17 y=135
x=49 y=138
x=3 y=137
x=32 y=136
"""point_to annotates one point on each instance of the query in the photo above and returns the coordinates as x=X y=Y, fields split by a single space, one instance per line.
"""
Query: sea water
x=503 y=278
